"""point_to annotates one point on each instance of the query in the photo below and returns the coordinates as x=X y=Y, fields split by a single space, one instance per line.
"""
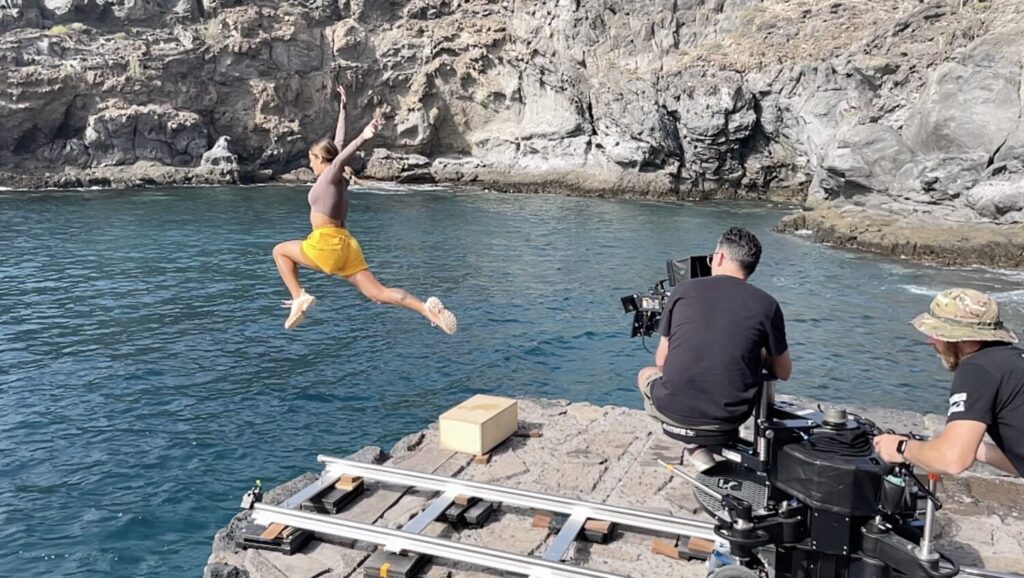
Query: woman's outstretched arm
x=368 y=133
x=339 y=133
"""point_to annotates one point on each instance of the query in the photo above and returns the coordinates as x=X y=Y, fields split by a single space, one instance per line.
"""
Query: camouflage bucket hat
x=963 y=315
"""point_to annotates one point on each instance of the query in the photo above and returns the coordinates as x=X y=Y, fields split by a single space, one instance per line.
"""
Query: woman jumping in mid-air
x=330 y=248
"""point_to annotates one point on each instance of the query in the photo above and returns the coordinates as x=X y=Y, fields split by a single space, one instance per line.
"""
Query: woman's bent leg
x=288 y=256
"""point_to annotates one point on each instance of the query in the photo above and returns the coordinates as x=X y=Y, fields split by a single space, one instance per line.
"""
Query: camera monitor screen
x=688 y=268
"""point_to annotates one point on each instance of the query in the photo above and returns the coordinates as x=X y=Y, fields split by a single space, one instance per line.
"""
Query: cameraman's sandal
x=719 y=335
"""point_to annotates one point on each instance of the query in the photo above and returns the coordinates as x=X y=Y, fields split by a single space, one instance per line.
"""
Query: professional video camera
x=804 y=496
x=647 y=307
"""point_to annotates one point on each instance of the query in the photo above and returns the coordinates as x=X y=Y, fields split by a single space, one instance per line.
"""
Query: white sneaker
x=299 y=306
x=444 y=319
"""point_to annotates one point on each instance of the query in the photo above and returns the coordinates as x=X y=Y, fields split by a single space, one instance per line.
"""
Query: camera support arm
x=881 y=543
x=924 y=550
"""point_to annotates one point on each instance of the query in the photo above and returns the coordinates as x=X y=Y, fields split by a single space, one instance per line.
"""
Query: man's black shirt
x=988 y=387
x=716 y=327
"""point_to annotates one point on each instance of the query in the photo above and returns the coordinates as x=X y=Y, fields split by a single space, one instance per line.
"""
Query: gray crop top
x=329 y=195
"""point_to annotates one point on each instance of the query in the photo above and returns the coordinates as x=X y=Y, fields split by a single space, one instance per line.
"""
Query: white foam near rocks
x=918 y=290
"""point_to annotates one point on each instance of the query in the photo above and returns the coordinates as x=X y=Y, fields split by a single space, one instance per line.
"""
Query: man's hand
x=342 y=96
x=371 y=129
x=885 y=445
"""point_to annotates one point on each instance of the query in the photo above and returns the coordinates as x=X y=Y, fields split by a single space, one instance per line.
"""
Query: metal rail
x=409 y=540
x=325 y=480
x=397 y=540
x=969 y=571
x=523 y=498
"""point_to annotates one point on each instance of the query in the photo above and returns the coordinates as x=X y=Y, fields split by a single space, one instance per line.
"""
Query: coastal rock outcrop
x=928 y=239
x=220 y=155
x=125 y=135
x=999 y=201
x=910 y=108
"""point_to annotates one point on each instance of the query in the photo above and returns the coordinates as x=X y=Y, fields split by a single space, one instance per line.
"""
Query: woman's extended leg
x=288 y=256
x=432 y=309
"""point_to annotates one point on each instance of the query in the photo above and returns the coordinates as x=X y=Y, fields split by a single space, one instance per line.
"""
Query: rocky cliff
x=906 y=108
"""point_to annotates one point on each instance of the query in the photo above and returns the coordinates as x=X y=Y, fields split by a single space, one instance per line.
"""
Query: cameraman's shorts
x=334 y=251
x=645 y=389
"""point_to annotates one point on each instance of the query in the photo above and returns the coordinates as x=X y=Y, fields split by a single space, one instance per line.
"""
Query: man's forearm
x=932 y=456
x=993 y=456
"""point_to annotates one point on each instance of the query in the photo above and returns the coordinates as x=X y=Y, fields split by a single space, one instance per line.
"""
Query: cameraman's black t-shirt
x=716 y=327
x=988 y=387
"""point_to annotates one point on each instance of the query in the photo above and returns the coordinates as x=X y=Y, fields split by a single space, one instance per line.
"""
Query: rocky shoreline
x=919 y=238
x=928 y=240
x=910 y=107
x=605 y=454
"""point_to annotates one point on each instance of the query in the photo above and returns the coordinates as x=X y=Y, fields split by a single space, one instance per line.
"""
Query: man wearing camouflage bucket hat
x=987 y=395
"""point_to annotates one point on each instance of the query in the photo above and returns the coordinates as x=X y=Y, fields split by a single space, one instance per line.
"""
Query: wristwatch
x=901 y=446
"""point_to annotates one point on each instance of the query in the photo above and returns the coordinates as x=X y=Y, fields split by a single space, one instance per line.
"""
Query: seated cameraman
x=987 y=394
x=719 y=334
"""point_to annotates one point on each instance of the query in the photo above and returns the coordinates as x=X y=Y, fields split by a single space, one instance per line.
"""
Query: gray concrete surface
x=604 y=454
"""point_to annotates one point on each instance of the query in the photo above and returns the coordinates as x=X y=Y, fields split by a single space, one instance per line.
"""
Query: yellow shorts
x=334 y=251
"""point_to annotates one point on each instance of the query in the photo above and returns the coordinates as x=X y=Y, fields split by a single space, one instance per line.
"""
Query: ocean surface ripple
x=145 y=379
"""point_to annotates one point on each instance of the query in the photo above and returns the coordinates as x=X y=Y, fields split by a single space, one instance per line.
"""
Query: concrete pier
x=604 y=454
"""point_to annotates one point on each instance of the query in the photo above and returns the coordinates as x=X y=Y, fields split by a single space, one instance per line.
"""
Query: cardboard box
x=478 y=424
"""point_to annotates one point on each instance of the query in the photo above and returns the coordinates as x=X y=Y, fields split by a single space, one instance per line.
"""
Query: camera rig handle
x=929 y=490
x=906 y=471
x=740 y=531
x=740 y=511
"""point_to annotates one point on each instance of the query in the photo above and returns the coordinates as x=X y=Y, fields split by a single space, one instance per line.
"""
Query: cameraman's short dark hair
x=743 y=247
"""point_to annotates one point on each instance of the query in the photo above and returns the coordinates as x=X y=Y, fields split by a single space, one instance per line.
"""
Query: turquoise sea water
x=145 y=380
